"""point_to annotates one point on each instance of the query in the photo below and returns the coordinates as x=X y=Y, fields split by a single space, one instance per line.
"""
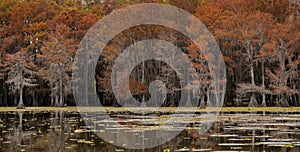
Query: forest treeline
x=259 y=39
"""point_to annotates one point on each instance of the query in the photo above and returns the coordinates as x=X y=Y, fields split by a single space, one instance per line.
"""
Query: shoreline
x=155 y=109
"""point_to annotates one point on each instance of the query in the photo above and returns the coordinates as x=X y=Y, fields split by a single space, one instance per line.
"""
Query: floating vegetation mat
x=63 y=129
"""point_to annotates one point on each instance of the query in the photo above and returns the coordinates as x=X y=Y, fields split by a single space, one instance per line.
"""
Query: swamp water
x=66 y=131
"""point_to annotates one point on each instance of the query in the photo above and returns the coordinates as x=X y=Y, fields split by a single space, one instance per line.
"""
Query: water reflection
x=66 y=131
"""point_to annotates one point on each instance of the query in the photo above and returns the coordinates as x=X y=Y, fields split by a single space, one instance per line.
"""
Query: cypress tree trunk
x=15 y=100
x=202 y=103
x=60 y=90
x=253 y=101
x=56 y=100
x=52 y=100
x=34 y=99
x=21 y=104
x=263 y=84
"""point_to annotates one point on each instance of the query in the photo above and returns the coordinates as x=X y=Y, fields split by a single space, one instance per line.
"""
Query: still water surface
x=66 y=131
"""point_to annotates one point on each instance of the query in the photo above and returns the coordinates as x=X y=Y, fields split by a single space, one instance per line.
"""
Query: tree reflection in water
x=66 y=131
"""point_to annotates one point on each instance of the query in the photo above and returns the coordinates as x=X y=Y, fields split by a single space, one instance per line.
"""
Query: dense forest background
x=259 y=39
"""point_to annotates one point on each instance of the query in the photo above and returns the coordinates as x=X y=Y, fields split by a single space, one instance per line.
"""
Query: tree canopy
x=259 y=39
